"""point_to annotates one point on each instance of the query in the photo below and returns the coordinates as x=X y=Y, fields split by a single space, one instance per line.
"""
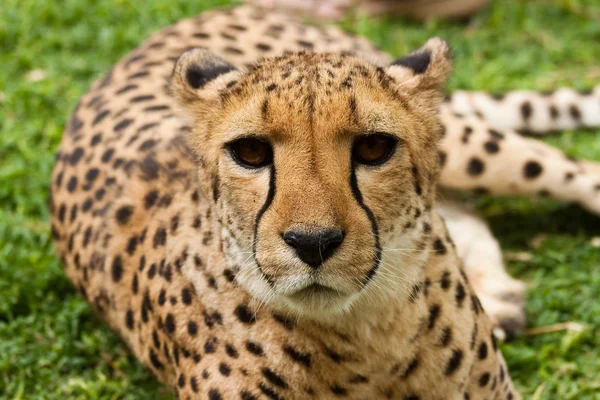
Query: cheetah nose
x=314 y=246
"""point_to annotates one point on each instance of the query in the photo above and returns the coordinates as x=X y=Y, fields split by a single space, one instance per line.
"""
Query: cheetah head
x=322 y=171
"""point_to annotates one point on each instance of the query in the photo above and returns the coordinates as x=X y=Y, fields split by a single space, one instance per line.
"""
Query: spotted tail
x=530 y=111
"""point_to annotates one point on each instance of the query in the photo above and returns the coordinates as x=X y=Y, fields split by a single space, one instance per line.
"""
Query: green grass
x=51 y=344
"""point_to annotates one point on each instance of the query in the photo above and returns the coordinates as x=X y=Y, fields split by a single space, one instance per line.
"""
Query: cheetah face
x=322 y=171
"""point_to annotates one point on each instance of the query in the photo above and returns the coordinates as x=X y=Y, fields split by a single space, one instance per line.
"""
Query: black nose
x=314 y=246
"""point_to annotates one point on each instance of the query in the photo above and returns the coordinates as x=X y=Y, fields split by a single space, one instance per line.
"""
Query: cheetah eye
x=251 y=152
x=374 y=149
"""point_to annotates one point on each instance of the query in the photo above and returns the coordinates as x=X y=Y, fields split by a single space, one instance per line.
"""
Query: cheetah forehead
x=308 y=68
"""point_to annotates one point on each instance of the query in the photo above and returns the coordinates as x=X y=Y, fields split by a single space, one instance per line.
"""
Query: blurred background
x=51 y=344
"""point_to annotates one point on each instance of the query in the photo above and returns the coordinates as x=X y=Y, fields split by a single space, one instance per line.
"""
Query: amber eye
x=374 y=149
x=251 y=152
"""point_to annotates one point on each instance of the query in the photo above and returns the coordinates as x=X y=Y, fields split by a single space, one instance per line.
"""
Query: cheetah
x=251 y=204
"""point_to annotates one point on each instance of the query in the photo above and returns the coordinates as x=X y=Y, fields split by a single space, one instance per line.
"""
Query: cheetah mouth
x=313 y=290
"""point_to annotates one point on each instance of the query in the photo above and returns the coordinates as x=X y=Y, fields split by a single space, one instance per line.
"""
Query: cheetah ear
x=425 y=69
x=198 y=76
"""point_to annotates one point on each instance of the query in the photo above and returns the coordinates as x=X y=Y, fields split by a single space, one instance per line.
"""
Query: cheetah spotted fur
x=179 y=248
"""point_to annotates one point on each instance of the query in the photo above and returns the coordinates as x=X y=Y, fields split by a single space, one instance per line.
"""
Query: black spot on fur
x=335 y=356
x=302 y=358
x=156 y=363
x=305 y=44
x=107 y=155
x=186 y=296
x=483 y=351
x=211 y=345
x=215 y=188
x=526 y=110
x=475 y=305
x=146 y=127
x=135 y=284
x=194 y=384
x=569 y=176
x=140 y=74
x=270 y=393
x=170 y=323
x=138 y=99
x=460 y=294
x=446 y=337
x=263 y=47
x=75 y=125
x=161 y=107
x=338 y=390
x=244 y=314
x=147 y=145
x=467 y=134
x=284 y=321
x=494 y=343
x=491 y=147
x=475 y=167
x=213 y=394
x=100 y=116
x=442 y=158
x=129 y=321
x=160 y=237
x=412 y=366
x=150 y=168
x=484 y=379
x=264 y=109
x=245 y=395
x=76 y=155
x=231 y=351
x=72 y=184
x=227 y=36
x=117 y=269
x=495 y=134
x=575 y=113
x=122 y=125
x=224 y=369
x=150 y=199
x=454 y=362
x=124 y=214
x=151 y=274
x=274 y=378
x=192 y=328
x=254 y=348
x=439 y=247
x=87 y=205
x=126 y=89
x=532 y=169
x=434 y=313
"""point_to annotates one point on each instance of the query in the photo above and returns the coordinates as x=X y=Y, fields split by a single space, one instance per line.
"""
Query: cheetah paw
x=505 y=305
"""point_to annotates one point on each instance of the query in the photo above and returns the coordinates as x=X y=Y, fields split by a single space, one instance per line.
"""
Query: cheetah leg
x=531 y=111
x=502 y=296
x=506 y=163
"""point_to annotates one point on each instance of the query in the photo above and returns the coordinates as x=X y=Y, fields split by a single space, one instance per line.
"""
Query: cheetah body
x=142 y=236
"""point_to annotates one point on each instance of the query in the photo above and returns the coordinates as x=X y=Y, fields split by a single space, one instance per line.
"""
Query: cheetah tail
x=529 y=111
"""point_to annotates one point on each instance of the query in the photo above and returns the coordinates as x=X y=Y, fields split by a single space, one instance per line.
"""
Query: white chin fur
x=398 y=271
